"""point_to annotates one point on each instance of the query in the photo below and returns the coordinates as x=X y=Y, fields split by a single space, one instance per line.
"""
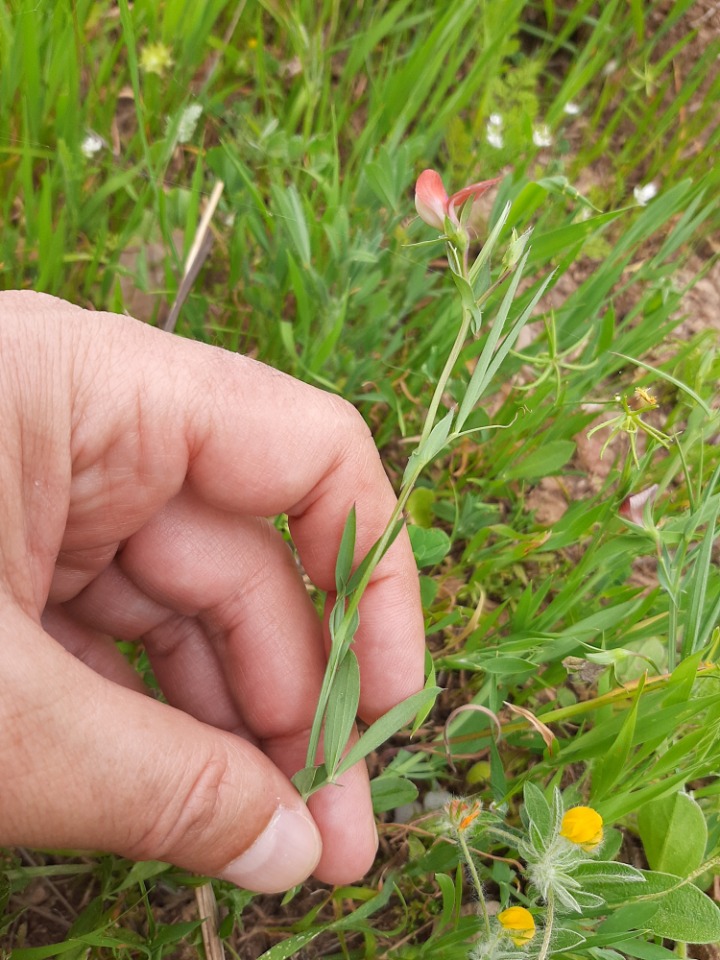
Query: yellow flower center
x=583 y=826
x=518 y=924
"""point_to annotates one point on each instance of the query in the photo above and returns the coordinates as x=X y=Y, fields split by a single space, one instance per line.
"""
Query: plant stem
x=475 y=879
x=445 y=375
x=549 y=920
x=380 y=547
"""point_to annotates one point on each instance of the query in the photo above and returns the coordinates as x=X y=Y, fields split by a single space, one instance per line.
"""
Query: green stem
x=549 y=920
x=445 y=375
x=475 y=879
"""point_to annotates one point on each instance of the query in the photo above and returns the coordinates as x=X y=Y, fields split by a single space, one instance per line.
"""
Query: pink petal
x=633 y=506
x=431 y=199
x=474 y=190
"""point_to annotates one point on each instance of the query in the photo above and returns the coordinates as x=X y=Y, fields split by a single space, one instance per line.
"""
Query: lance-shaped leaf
x=341 y=710
x=378 y=732
x=343 y=565
x=430 y=447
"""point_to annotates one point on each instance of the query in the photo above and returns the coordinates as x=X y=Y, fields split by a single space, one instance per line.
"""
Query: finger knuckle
x=191 y=821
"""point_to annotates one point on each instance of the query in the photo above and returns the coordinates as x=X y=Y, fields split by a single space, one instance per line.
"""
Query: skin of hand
x=137 y=473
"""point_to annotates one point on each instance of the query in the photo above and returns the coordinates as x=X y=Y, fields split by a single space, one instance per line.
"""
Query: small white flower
x=542 y=136
x=610 y=67
x=572 y=109
x=495 y=120
x=93 y=143
x=495 y=137
x=645 y=192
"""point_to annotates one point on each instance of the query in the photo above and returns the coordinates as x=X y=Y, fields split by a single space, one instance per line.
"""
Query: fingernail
x=285 y=853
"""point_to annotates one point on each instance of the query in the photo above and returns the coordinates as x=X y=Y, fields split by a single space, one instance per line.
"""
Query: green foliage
x=674 y=834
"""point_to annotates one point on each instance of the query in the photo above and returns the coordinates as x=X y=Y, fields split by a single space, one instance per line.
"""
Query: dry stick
x=26 y=855
x=208 y=913
x=202 y=244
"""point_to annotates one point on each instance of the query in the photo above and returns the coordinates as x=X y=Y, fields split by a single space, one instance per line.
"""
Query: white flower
x=572 y=108
x=610 y=67
x=495 y=137
x=93 y=143
x=493 y=131
x=542 y=136
x=644 y=193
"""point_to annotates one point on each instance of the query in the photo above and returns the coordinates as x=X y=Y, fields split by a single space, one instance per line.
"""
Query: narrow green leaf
x=430 y=680
x=683 y=387
x=682 y=680
x=168 y=933
x=378 y=732
x=493 y=355
x=467 y=298
x=343 y=565
x=447 y=889
x=607 y=872
x=142 y=871
x=372 y=558
x=44 y=953
x=697 y=578
x=611 y=767
x=507 y=666
x=645 y=951
x=341 y=710
x=431 y=447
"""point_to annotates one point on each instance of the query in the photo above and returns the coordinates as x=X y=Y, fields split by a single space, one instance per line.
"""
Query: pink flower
x=632 y=507
x=434 y=205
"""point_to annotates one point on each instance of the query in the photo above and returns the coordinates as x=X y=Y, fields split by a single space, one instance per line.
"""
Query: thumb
x=90 y=764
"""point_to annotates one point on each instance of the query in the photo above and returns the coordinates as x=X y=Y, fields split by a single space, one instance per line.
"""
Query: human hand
x=135 y=472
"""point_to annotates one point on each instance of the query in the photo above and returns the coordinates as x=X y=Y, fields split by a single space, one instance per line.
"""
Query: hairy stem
x=475 y=879
x=549 y=920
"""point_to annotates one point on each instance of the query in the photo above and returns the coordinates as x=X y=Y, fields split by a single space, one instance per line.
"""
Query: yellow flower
x=156 y=58
x=518 y=924
x=583 y=826
x=644 y=396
